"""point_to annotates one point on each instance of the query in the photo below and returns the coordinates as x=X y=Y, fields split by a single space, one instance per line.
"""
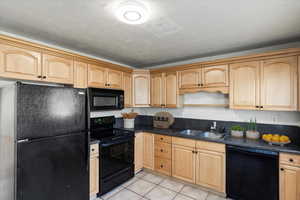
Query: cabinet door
x=279 y=84
x=183 y=163
x=80 y=74
x=141 y=90
x=127 y=87
x=215 y=76
x=244 y=86
x=190 y=78
x=148 y=151
x=289 y=183
x=157 y=90
x=19 y=63
x=94 y=175
x=114 y=79
x=57 y=69
x=96 y=76
x=171 y=90
x=138 y=152
x=299 y=83
x=210 y=170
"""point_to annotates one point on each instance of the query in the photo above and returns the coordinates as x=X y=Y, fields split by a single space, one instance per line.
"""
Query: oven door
x=116 y=157
x=106 y=99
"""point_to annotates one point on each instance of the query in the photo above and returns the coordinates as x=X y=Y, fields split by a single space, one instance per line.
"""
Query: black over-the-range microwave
x=105 y=99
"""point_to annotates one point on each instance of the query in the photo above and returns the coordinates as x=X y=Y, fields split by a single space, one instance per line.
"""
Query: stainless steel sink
x=212 y=135
x=190 y=132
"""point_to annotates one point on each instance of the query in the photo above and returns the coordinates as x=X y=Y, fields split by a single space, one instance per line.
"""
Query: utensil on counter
x=163 y=120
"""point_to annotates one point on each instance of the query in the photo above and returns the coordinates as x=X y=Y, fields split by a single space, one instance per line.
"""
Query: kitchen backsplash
x=201 y=124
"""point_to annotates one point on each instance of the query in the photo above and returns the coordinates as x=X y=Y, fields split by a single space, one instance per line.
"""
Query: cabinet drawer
x=163 y=138
x=290 y=159
x=163 y=150
x=163 y=166
x=210 y=146
x=184 y=142
x=94 y=149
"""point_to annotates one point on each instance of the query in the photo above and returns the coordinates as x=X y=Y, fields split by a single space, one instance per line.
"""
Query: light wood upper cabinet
x=289 y=183
x=138 y=152
x=190 y=78
x=183 y=163
x=279 y=84
x=298 y=83
x=157 y=90
x=127 y=87
x=114 y=79
x=164 y=91
x=58 y=69
x=215 y=76
x=244 y=86
x=210 y=170
x=172 y=96
x=141 y=88
x=148 y=157
x=96 y=76
x=20 y=63
x=80 y=74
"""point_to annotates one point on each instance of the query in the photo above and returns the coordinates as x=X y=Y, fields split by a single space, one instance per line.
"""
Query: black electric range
x=116 y=153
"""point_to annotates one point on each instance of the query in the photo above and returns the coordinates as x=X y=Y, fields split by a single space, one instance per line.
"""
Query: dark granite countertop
x=94 y=141
x=243 y=142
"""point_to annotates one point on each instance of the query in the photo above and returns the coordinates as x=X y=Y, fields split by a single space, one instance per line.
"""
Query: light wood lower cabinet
x=183 y=163
x=289 y=176
x=289 y=182
x=138 y=152
x=94 y=170
x=210 y=170
x=148 y=157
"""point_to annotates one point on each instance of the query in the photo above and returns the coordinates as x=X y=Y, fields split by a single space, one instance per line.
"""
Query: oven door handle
x=117 y=142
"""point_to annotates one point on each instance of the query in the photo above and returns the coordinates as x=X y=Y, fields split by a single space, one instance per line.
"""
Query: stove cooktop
x=110 y=134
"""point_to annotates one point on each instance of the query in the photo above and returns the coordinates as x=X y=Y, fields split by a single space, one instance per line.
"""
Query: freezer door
x=44 y=111
x=55 y=168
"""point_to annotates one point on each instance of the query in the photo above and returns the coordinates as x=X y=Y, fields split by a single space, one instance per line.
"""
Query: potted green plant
x=237 y=131
x=252 y=132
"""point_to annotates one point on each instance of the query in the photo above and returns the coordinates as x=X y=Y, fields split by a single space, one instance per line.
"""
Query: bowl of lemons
x=276 y=139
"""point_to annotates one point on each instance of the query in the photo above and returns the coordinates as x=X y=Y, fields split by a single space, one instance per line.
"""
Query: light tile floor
x=148 y=186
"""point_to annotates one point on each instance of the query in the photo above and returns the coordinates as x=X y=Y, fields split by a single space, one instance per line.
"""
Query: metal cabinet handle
x=281 y=169
x=39 y=76
x=93 y=149
x=256 y=106
x=44 y=77
x=291 y=160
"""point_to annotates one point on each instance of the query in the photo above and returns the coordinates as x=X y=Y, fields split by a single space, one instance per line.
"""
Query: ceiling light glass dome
x=132 y=12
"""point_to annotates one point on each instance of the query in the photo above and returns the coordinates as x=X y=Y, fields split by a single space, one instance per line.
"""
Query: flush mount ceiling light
x=132 y=12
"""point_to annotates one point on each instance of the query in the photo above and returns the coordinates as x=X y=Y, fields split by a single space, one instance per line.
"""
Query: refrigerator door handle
x=22 y=141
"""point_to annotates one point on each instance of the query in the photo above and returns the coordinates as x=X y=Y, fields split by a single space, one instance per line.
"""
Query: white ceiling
x=177 y=29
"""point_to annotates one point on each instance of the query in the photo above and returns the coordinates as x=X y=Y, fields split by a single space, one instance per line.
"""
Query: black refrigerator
x=44 y=135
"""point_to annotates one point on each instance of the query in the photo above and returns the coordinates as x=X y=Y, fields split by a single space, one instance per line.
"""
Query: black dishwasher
x=251 y=174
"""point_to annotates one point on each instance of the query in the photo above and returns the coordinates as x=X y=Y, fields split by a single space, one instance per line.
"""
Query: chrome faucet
x=213 y=127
